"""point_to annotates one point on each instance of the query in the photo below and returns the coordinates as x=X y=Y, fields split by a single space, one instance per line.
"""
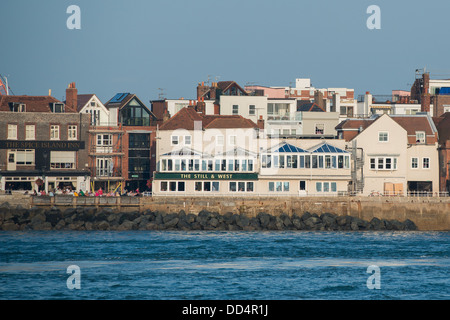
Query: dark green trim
x=205 y=176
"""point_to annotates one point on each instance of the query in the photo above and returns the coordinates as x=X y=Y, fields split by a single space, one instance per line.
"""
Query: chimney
x=260 y=123
x=49 y=92
x=72 y=97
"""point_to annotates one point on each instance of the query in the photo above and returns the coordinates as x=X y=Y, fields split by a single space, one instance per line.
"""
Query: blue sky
x=139 y=46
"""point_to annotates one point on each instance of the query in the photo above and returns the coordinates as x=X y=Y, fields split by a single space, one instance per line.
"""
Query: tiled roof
x=354 y=124
x=186 y=117
x=414 y=123
x=82 y=99
x=32 y=103
x=443 y=127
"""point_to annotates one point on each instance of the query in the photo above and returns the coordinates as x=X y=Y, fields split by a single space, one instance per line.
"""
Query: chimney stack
x=260 y=123
x=72 y=97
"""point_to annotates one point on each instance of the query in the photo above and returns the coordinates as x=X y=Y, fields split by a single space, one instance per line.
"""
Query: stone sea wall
x=92 y=218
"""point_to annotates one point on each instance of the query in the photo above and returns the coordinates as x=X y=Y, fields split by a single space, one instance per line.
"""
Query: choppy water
x=208 y=265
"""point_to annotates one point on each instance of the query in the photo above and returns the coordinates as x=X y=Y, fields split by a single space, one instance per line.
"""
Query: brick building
x=443 y=127
x=42 y=144
x=138 y=132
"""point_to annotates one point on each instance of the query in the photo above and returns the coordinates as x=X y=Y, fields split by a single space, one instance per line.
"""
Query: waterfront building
x=393 y=154
x=227 y=155
x=136 y=131
x=443 y=127
x=43 y=145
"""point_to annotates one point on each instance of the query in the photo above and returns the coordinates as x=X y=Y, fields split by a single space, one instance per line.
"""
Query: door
x=11 y=161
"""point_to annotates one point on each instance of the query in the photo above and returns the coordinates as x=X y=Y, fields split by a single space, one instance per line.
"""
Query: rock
x=409 y=225
x=171 y=223
x=10 y=226
x=376 y=224
x=102 y=225
x=126 y=225
x=298 y=223
x=311 y=222
x=264 y=219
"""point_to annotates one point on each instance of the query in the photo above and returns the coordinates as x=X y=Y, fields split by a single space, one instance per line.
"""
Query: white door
x=11 y=161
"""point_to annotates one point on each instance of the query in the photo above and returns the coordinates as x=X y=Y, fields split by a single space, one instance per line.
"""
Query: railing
x=438 y=194
x=294 y=116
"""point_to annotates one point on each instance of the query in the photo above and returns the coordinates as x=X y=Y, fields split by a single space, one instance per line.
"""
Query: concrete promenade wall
x=428 y=213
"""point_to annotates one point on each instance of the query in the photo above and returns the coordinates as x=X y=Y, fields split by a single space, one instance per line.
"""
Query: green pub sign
x=206 y=176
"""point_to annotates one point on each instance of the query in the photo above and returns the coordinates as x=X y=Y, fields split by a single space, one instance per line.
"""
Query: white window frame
x=428 y=163
x=219 y=140
x=232 y=140
x=418 y=139
x=30 y=132
x=72 y=132
x=188 y=140
x=380 y=133
x=12 y=131
x=235 y=111
x=54 y=132
x=174 y=140
x=252 y=109
x=414 y=164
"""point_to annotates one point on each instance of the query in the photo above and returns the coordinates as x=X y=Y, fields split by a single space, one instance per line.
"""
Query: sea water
x=209 y=265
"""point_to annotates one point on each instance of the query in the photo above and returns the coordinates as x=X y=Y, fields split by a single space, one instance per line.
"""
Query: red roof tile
x=32 y=103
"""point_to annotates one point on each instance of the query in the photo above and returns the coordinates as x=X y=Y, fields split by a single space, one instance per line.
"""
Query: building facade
x=229 y=155
x=43 y=147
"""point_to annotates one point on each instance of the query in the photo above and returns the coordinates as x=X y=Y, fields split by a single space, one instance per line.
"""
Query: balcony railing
x=292 y=116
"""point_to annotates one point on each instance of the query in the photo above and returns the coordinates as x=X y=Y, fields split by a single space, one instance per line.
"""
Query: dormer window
x=420 y=137
x=57 y=107
x=17 y=107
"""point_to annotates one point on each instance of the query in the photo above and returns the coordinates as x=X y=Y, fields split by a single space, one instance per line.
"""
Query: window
x=219 y=140
x=206 y=186
x=235 y=109
x=54 y=132
x=326 y=186
x=12 y=131
x=383 y=163
x=414 y=163
x=420 y=137
x=241 y=186
x=62 y=159
x=279 y=186
x=72 y=132
x=302 y=185
x=187 y=140
x=426 y=163
x=251 y=109
x=30 y=132
x=57 y=107
x=18 y=107
x=383 y=136
x=104 y=140
x=25 y=157
x=174 y=140
x=232 y=140
x=320 y=128
x=172 y=186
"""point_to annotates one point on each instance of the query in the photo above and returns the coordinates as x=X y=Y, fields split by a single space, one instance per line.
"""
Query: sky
x=148 y=47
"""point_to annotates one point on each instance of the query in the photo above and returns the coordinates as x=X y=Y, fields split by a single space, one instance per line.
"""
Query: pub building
x=42 y=145
x=216 y=155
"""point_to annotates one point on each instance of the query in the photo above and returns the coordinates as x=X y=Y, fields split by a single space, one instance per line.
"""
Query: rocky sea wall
x=92 y=218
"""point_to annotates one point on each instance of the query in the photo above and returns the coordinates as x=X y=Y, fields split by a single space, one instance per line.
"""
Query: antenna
x=161 y=94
